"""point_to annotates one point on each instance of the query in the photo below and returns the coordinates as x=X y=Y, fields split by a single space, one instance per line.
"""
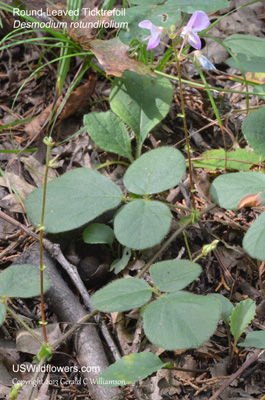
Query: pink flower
x=198 y=22
x=155 y=36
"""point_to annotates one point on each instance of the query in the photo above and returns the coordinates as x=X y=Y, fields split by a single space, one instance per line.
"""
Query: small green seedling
x=236 y=318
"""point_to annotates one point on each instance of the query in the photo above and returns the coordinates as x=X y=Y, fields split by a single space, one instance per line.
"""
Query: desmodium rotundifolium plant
x=172 y=318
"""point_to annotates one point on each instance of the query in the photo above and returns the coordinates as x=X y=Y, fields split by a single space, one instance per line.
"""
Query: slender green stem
x=171 y=205
x=229 y=339
x=34 y=378
x=197 y=258
x=201 y=86
x=185 y=125
x=48 y=142
x=187 y=245
x=106 y=164
x=21 y=322
x=164 y=246
x=138 y=148
x=233 y=350
x=171 y=238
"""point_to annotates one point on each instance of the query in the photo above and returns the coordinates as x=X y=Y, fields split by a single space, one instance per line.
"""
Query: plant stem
x=34 y=378
x=250 y=361
x=187 y=245
x=186 y=369
x=185 y=125
x=171 y=238
x=201 y=86
x=55 y=345
x=106 y=164
x=138 y=148
x=48 y=142
x=21 y=322
x=164 y=246
x=229 y=339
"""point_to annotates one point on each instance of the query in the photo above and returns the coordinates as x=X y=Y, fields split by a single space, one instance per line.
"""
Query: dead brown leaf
x=84 y=30
x=11 y=203
x=250 y=200
x=113 y=57
x=125 y=339
x=22 y=187
x=43 y=391
x=79 y=97
x=34 y=127
x=27 y=344
x=37 y=170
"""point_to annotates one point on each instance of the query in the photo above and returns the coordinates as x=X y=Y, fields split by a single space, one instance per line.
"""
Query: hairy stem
x=48 y=142
x=171 y=238
x=21 y=322
x=185 y=125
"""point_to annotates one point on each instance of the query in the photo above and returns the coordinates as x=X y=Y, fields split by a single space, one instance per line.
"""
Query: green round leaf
x=2 y=313
x=218 y=163
x=227 y=306
x=72 y=200
x=22 y=281
x=98 y=233
x=254 y=339
x=249 y=52
x=254 y=127
x=254 y=239
x=142 y=224
x=141 y=101
x=249 y=64
x=190 y=6
x=122 y=295
x=173 y=275
x=228 y=190
x=241 y=316
x=131 y=368
x=146 y=2
x=246 y=44
x=181 y=320
x=109 y=132
x=155 y=171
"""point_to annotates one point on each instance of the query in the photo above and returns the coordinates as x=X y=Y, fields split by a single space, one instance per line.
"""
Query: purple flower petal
x=154 y=41
x=194 y=40
x=155 y=33
x=198 y=22
x=146 y=24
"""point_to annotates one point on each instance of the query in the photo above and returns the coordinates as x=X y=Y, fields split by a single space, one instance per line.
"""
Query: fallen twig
x=250 y=361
